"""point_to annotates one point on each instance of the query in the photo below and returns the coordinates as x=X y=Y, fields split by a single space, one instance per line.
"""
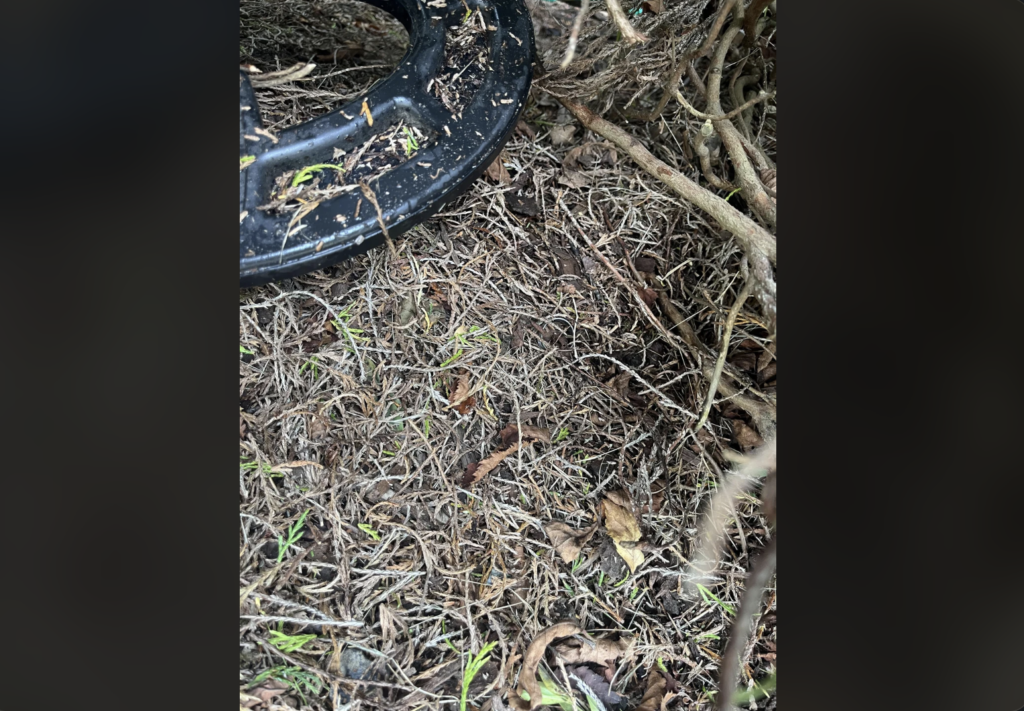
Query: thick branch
x=753 y=238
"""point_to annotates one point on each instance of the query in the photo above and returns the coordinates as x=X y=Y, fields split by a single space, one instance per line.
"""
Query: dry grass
x=352 y=370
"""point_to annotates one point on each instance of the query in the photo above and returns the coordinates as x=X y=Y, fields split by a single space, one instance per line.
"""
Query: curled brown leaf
x=485 y=465
x=510 y=434
x=263 y=693
x=460 y=398
x=655 y=693
x=604 y=651
x=534 y=653
x=497 y=172
x=568 y=542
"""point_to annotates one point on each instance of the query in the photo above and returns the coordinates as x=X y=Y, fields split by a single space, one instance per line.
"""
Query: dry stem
x=756 y=581
x=720 y=363
x=629 y=34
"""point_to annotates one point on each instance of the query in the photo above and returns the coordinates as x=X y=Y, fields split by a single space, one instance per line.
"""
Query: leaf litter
x=623 y=529
x=470 y=569
x=568 y=542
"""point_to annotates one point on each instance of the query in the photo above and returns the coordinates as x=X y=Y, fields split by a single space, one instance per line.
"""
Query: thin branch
x=759 y=576
x=697 y=82
x=705 y=161
x=574 y=34
x=715 y=29
x=730 y=321
x=629 y=34
x=722 y=117
x=761 y=412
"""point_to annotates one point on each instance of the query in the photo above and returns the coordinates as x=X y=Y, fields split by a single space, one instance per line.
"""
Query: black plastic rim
x=460 y=150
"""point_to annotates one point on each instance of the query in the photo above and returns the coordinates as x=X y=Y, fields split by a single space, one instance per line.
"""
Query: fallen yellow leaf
x=366 y=112
x=624 y=531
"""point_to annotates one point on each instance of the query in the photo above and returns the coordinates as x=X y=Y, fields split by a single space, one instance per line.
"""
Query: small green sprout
x=289 y=643
x=311 y=365
x=551 y=694
x=473 y=666
x=710 y=596
x=307 y=172
x=410 y=141
x=297 y=679
x=759 y=690
x=458 y=354
x=245 y=160
x=369 y=531
x=562 y=434
x=243 y=349
x=294 y=534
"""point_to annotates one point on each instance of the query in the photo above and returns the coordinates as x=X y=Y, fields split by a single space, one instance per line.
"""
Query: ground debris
x=568 y=542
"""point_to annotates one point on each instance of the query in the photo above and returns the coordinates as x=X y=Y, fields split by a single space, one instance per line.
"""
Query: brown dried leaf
x=655 y=693
x=497 y=172
x=572 y=158
x=263 y=693
x=528 y=674
x=567 y=264
x=604 y=652
x=746 y=436
x=653 y=6
x=568 y=542
x=573 y=179
x=524 y=129
x=538 y=434
x=649 y=296
x=622 y=527
x=620 y=497
x=461 y=399
x=562 y=133
x=485 y=465
x=510 y=434
x=590 y=155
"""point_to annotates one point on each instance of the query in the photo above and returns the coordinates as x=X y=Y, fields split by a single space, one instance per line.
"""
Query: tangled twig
x=753 y=191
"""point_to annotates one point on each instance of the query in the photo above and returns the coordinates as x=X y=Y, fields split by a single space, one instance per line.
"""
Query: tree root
x=672 y=83
x=753 y=191
x=758 y=244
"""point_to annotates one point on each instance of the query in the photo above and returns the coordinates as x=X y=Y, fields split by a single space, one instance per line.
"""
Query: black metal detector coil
x=459 y=148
